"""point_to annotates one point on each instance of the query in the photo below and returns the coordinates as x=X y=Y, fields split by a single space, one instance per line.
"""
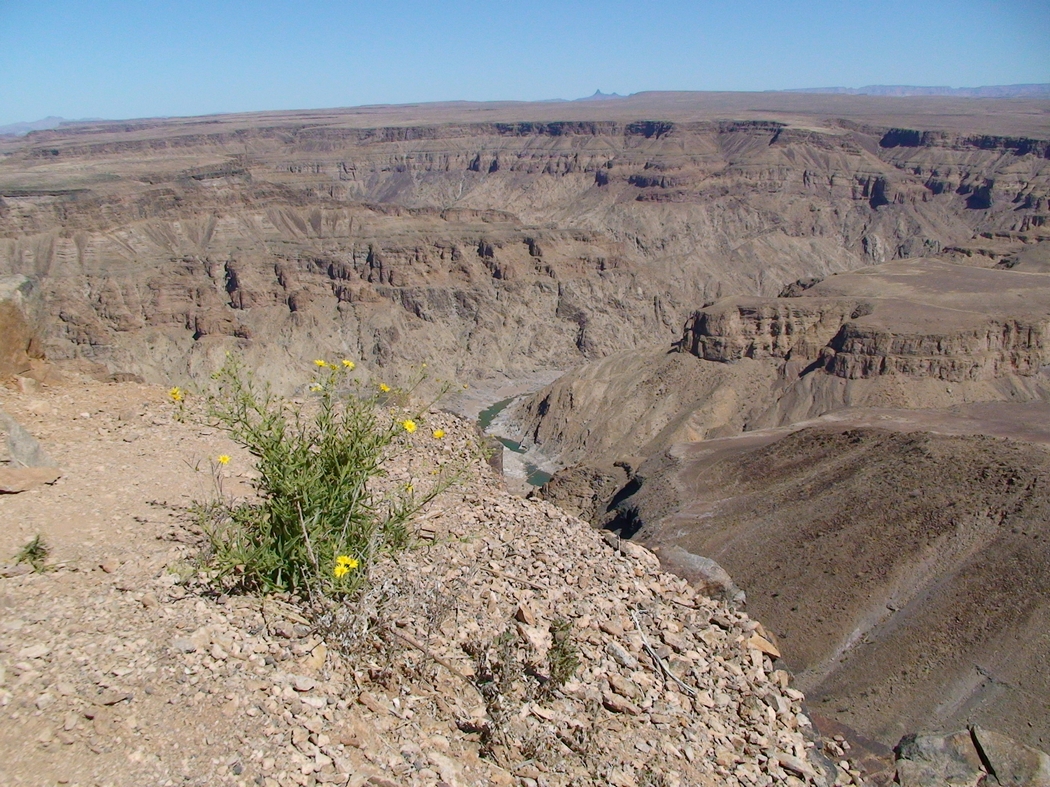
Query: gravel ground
x=117 y=667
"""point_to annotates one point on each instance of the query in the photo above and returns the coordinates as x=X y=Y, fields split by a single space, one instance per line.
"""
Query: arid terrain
x=804 y=352
x=492 y=239
x=117 y=668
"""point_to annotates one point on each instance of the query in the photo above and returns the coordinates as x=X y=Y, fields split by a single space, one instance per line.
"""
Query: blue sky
x=161 y=57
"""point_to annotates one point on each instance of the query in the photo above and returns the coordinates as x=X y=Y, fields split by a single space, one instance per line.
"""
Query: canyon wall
x=923 y=333
x=478 y=248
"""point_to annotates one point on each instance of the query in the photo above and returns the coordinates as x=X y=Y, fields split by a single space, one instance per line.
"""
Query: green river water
x=533 y=475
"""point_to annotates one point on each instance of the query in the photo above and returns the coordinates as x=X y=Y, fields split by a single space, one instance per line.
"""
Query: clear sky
x=113 y=59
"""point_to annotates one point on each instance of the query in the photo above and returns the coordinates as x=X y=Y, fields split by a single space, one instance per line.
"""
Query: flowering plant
x=320 y=517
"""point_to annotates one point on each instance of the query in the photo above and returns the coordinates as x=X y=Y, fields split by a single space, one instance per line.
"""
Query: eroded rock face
x=913 y=334
x=20 y=323
x=475 y=247
x=763 y=328
x=949 y=322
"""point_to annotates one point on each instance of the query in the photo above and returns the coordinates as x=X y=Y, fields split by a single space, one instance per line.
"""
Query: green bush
x=320 y=518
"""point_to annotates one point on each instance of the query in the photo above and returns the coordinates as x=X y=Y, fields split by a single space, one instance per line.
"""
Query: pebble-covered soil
x=118 y=667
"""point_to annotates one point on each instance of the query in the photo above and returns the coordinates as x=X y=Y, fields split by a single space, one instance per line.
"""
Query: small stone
x=372 y=703
x=792 y=763
x=184 y=645
x=65 y=689
x=302 y=683
x=149 y=601
x=113 y=697
x=34 y=652
x=762 y=644
x=618 y=704
x=315 y=661
x=622 y=686
x=524 y=614
x=44 y=700
x=621 y=656
x=109 y=565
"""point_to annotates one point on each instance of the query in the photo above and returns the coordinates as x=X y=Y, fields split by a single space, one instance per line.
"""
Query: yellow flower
x=224 y=459
x=316 y=387
x=319 y=363
x=409 y=488
x=348 y=364
x=346 y=563
x=340 y=571
x=438 y=434
x=409 y=425
x=384 y=388
x=176 y=394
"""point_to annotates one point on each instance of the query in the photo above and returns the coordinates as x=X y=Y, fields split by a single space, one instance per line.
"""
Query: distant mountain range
x=21 y=129
x=600 y=96
x=987 y=91
x=1039 y=90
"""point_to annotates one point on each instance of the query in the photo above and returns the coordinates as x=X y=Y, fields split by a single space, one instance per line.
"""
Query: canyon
x=485 y=246
x=803 y=337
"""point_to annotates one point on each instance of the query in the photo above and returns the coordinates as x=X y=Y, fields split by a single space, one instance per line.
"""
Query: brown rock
x=759 y=642
x=618 y=704
x=524 y=614
x=21 y=479
x=939 y=761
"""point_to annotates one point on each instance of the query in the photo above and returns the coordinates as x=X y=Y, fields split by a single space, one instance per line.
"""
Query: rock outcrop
x=913 y=334
x=970 y=757
x=21 y=322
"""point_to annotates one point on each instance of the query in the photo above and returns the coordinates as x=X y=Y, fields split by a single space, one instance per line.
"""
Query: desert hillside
x=118 y=666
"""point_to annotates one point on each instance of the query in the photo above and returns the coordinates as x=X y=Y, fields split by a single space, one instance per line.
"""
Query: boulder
x=1013 y=764
x=973 y=757
x=948 y=760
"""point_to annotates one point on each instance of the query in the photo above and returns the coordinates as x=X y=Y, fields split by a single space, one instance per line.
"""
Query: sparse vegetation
x=496 y=670
x=35 y=553
x=563 y=658
x=321 y=515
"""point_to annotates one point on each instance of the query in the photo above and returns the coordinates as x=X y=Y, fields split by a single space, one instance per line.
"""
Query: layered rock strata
x=913 y=334
x=481 y=247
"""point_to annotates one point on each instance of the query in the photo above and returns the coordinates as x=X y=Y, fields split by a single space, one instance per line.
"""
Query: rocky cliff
x=914 y=334
x=481 y=247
